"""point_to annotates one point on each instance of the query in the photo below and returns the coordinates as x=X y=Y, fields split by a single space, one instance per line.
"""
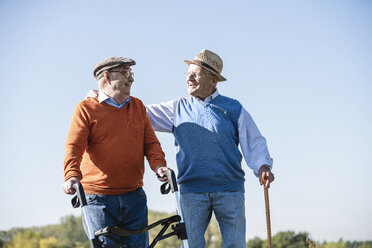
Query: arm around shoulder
x=161 y=116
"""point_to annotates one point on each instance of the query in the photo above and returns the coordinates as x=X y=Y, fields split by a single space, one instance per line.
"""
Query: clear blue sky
x=301 y=68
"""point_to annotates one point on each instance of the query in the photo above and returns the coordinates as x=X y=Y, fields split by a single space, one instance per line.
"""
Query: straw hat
x=210 y=61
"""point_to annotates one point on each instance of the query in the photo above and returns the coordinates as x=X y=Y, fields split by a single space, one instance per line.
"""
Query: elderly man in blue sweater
x=208 y=128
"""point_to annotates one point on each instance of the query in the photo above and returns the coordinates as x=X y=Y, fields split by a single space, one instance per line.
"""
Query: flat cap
x=111 y=62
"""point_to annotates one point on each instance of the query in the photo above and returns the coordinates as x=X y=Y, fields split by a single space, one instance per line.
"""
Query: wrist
x=264 y=167
x=160 y=166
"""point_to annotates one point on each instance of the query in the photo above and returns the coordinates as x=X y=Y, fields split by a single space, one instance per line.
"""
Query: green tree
x=26 y=239
x=289 y=240
x=50 y=242
x=71 y=232
x=256 y=242
x=213 y=235
x=7 y=236
x=339 y=244
x=367 y=244
x=165 y=243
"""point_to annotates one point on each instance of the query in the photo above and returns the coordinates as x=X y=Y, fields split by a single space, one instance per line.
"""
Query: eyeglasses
x=127 y=73
x=194 y=75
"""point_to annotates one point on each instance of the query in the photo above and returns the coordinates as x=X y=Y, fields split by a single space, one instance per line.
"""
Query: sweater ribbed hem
x=100 y=191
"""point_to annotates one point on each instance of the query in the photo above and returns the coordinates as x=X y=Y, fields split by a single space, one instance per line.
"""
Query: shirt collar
x=102 y=96
x=214 y=94
x=210 y=97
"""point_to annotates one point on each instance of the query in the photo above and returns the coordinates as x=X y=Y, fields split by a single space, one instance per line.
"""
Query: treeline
x=290 y=239
x=69 y=233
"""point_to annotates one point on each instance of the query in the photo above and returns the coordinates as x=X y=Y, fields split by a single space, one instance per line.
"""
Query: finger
x=70 y=189
x=271 y=177
x=67 y=191
x=266 y=178
x=162 y=179
x=267 y=183
x=65 y=188
x=263 y=178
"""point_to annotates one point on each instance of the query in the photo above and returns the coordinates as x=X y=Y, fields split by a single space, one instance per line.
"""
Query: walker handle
x=79 y=199
x=172 y=182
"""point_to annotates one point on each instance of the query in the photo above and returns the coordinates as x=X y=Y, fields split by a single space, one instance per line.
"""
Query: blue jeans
x=229 y=210
x=127 y=210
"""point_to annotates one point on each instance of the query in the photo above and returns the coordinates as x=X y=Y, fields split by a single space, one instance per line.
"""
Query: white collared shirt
x=102 y=97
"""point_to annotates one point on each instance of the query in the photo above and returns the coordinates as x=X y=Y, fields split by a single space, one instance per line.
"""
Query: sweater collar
x=102 y=97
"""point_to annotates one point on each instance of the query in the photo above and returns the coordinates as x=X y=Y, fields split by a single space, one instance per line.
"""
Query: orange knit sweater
x=105 y=147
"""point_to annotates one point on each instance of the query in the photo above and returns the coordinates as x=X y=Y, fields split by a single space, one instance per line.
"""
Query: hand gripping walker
x=179 y=228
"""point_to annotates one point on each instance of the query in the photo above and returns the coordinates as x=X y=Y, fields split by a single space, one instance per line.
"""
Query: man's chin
x=191 y=92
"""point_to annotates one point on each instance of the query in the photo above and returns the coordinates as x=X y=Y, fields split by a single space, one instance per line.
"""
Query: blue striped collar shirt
x=102 y=97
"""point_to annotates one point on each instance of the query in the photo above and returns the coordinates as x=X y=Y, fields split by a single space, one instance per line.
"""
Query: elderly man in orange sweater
x=105 y=148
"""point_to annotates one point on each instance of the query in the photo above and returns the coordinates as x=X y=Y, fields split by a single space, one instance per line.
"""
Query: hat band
x=208 y=66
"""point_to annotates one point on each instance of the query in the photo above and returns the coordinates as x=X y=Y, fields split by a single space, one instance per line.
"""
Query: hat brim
x=196 y=62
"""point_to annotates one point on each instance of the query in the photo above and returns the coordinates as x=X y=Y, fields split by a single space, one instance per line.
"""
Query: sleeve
x=76 y=143
x=161 y=116
x=252 y=143
x=153 y=151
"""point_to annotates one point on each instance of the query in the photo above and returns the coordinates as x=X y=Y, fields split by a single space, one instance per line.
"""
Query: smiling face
x=200 y=82
x=117 y=82
x=121 y=79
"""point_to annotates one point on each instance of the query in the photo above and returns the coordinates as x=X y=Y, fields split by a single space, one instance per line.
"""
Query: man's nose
x=190 y=78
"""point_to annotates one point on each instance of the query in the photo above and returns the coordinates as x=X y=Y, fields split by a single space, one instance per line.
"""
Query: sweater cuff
x=155 y=165
x=70 y=174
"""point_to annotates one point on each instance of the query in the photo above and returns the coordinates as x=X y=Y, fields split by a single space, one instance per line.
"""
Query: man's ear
x=106 y=76
x=214 y=82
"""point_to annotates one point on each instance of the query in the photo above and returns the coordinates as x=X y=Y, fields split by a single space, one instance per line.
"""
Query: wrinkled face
x=121 y=79
x=200 y=82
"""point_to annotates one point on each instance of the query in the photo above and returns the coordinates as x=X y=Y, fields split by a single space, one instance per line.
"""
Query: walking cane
x=265 y=178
